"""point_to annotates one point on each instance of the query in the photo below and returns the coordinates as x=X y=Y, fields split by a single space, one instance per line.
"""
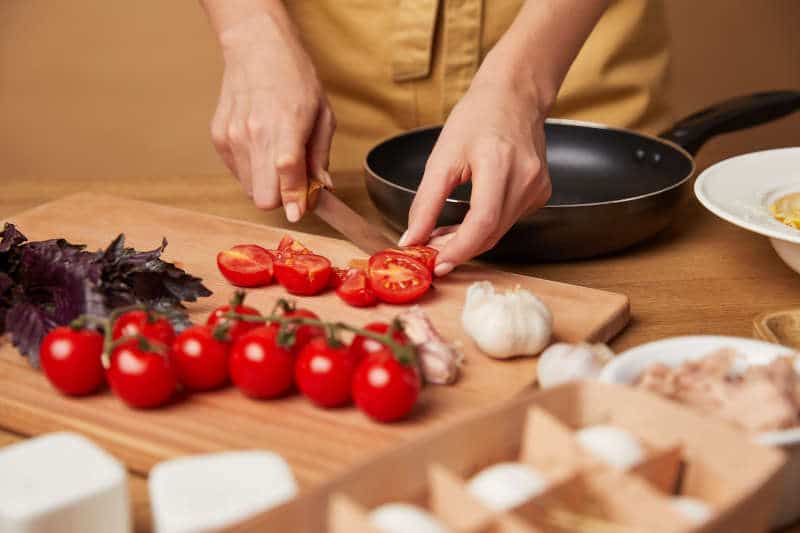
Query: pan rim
x=560 y=121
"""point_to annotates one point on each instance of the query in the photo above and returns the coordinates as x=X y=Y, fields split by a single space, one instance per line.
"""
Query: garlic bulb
x=563 y=363
x=506 y=325
x=696 y=511
x=505 y=485
x=404 y=517
x=611 y=444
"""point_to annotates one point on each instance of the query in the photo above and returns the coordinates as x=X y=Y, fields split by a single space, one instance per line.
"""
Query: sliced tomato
x=289 y=244
x=359 y=262
x=424 y=254
x=355 y=289
x=337 y=277
x=397 y=278
x=246 y=265
x=304 y=274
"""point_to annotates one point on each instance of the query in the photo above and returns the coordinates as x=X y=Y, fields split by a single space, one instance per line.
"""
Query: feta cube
x=62 y=482
x=208 y=492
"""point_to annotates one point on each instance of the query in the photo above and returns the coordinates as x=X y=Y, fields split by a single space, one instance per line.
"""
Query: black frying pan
x=612 y=187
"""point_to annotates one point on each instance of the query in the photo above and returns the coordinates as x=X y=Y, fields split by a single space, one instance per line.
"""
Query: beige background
x=126 y=88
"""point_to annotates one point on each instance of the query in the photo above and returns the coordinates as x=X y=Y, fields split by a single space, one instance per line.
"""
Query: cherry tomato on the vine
x=303 y=274
x=362 y=346
x=200 y=360
x=384 y=388
x=324 y=373
x=302 y=333
x=146 y=323
x=246 y=265
x=235 y=327
x=259 y=366
x=72 y=360
x=140 y=376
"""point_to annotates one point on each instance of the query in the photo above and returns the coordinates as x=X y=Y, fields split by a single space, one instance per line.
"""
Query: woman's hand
x=495 y=138
x=273 y=125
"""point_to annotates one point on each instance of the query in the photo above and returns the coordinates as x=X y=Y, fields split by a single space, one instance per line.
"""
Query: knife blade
x=340 y=217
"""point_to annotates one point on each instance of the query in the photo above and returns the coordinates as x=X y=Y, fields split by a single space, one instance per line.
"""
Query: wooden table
x=701 y=276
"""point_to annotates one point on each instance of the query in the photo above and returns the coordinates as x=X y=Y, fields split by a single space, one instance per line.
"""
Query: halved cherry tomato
x=337 y=277
x=146 y=323
x=72 y=360
x=140 y=376
x=324 y=373
x=362 y=346
x=303 y=333
x=304 y=274
x=246 y=265
x=424 y=254
x=289 y=244
x=259 y=366
x=384 y=388
x=200 y=360
x=355 y=289
x=397 y=278
x=236 y=328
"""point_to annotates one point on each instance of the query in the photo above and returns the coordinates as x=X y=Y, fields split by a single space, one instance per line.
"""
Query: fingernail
x=292 y=212
x=442 y=269
x=403 y=239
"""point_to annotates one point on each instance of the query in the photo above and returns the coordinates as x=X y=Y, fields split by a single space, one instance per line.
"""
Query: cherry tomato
x=305 y=274
x=259 y=366
x=146 y=323
x=289 y=244
x=337 y=277
x=235 y=327
x=384 y=388
x=72 y=360
x=324 y=373
x=362 y=346
x=246 y=265
x=304 y=333
x=200 y=360
x=141 y=377
x=396 y=278
x=355 y=289
x=424 y=254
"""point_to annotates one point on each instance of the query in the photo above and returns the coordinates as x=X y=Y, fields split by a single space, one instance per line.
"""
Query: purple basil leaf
x=5 y=283
x=28 y=324
x=10 y=238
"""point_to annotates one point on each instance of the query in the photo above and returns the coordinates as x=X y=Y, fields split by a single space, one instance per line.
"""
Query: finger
x=290 y=165
x=442 y=173
x=481 y=221
x=266 y=194
x=219 y=130
x=237 y=141
x=444 y=230
x=319 y=146
x=440 y=241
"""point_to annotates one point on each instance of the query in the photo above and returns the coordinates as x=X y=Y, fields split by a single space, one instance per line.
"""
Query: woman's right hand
x=273 y=125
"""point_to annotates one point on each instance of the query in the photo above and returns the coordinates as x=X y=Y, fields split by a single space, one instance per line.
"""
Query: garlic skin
x=503 y=486
x=611 y=444
x=506 y=325
x=439 y=360
x=404 y=517
x=564 y=363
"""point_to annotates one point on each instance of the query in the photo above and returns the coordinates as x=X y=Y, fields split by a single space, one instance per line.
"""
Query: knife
x=340 y=217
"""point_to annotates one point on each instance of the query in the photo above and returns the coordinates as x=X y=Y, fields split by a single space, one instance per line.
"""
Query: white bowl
x=741 y=189
x=628 y=366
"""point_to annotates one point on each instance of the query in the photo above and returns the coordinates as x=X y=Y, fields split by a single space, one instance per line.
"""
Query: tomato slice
x=424 y=254
x=397 y=278
x=337 y=277
x=355 y=289
x=246 y=265
x=304 y=274
x=289 y=244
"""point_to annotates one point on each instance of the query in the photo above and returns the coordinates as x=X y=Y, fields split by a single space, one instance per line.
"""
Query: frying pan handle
x=736 y=114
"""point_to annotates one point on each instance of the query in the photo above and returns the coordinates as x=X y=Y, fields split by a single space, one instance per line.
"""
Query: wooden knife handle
x=314 y=186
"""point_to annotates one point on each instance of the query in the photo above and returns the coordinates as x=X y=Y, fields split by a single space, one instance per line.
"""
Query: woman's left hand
x=495 y=138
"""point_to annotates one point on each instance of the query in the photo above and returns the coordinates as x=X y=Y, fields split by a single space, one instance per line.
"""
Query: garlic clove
x=404 y=517
x=565 y=363
x=505 y=485
x=611 y=444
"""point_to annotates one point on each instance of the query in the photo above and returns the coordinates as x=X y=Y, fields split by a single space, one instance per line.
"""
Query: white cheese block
x=613 y=445
x=697 y=511
x=505 y=485
x=405 y=518
x=62 y=482
x=208 y=492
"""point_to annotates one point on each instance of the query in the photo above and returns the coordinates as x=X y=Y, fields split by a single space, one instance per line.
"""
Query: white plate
x=741 y=189
x=627 y=366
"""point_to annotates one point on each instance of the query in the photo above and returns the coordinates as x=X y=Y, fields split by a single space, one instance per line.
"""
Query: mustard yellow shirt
x=393 y=65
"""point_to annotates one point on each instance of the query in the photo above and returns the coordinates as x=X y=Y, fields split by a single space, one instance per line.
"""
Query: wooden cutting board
x=317 y=443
